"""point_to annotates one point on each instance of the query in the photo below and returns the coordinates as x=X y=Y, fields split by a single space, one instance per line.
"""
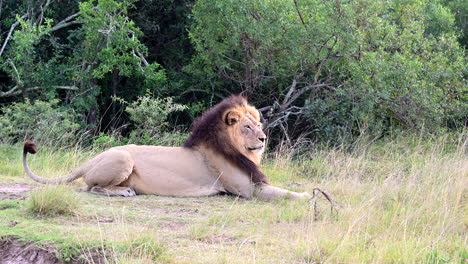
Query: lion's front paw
x=306 y=196
x=301 y=196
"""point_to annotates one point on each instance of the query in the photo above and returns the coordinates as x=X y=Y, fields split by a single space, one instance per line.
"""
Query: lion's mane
x=212 y=131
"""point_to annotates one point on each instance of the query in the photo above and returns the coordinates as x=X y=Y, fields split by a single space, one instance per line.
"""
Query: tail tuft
x=29 y=147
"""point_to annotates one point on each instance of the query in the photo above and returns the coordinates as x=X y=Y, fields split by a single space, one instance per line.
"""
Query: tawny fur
x=222 y=154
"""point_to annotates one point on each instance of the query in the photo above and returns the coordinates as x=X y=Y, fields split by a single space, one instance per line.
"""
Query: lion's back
x=176 y=171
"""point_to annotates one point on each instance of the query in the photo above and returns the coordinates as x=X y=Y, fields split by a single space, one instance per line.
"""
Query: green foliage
x=53 y=200
x=9 y=204
x=149 y=116
x=26 y=63
x=379 y=64
x=438 y=19
x=23 y=56
x=435 y=257
x=106 y=141
x=110 y=51
x=459 y=9
x=112 y=38
x=43 y=122
x=91 y=47
x=331 y=117
x=361 y=65
x=403 y=76
x=145 y=246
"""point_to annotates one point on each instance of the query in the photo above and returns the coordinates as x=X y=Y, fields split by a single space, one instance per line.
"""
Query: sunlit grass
x=400 y=201
x=53 y=200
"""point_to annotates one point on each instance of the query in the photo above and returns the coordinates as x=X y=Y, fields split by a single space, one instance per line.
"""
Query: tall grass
x=143 y=248
x=53 y=200
x=403 y=201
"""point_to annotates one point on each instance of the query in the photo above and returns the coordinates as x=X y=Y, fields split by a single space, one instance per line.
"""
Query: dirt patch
x=184 y=212
x=218 y=239
x=13 y=251
x=173 y=225
x=14 y=191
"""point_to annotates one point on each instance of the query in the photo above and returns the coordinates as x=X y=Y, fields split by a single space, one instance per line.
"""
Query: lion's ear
x=233 y=117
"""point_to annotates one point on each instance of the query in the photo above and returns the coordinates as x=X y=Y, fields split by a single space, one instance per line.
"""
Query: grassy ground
x=401 y=201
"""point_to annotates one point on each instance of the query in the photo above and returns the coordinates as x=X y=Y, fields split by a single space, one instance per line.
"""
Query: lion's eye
x=248 y=127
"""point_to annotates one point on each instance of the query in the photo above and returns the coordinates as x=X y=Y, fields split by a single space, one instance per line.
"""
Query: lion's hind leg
x=107 y=173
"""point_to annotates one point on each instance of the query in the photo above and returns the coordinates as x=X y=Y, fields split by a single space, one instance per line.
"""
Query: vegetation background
x=327 y=71
x=366 y=99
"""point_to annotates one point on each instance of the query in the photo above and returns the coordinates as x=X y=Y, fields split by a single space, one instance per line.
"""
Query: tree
x=111 y=48
x=20 y=57
x=354 y=63
x=90 y=49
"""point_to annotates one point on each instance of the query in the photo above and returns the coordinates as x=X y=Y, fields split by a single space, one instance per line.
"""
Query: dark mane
x=209 y=129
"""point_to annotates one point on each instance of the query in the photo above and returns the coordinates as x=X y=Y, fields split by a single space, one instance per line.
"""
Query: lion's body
x=176 y=171
x=169 y=171
x=216 y=158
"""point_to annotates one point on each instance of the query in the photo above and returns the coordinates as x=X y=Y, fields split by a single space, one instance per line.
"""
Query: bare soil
x=14 y=191
x=12 y=251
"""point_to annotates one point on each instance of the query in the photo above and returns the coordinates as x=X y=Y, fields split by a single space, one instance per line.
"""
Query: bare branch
x=80 y=94
x=299 y=13
x=143 y=58
x=278 y=114
x=302 y=91
x=41 y=17
x=18 y=77
x=291 y=90
x=66 y=22
x=15 y=90
x=10 y=92
x=12 y=28
x=263 y=109
x=285 y=133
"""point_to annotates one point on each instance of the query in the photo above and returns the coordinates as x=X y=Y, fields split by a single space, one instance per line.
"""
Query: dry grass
x=401 y=201
x=53 y=200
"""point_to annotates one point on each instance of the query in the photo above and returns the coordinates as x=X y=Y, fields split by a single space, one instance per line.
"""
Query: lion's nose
x=262 y=139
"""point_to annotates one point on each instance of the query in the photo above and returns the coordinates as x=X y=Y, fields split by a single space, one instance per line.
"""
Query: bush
x=149 y=116
x=384 y=65
x=42 y=122
x=105 y=141
x=53 y=200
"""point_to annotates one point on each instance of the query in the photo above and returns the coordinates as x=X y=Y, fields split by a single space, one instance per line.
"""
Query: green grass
x=53 y=200
x=401 y=201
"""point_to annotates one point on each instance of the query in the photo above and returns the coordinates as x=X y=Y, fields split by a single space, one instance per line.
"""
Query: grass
x=144 y=249
x=53 y=200
x=402 y=200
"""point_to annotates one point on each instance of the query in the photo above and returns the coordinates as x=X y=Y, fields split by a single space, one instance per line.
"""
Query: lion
x=221 y=155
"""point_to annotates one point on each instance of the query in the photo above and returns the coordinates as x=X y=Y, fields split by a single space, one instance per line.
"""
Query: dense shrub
x=149 y=116
x=42 y=122
x=330 y=68
x=325 y=69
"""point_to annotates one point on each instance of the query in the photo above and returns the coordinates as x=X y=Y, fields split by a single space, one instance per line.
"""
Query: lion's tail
x=30 y=147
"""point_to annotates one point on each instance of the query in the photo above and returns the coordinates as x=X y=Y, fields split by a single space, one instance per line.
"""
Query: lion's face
x=251 y=131
x=246 y=131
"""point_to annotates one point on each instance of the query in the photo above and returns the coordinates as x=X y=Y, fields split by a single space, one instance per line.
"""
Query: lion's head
x=233 y=129
x=245 y=130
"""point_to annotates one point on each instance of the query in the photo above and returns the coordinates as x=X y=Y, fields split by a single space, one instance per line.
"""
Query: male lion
x=220 y=156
